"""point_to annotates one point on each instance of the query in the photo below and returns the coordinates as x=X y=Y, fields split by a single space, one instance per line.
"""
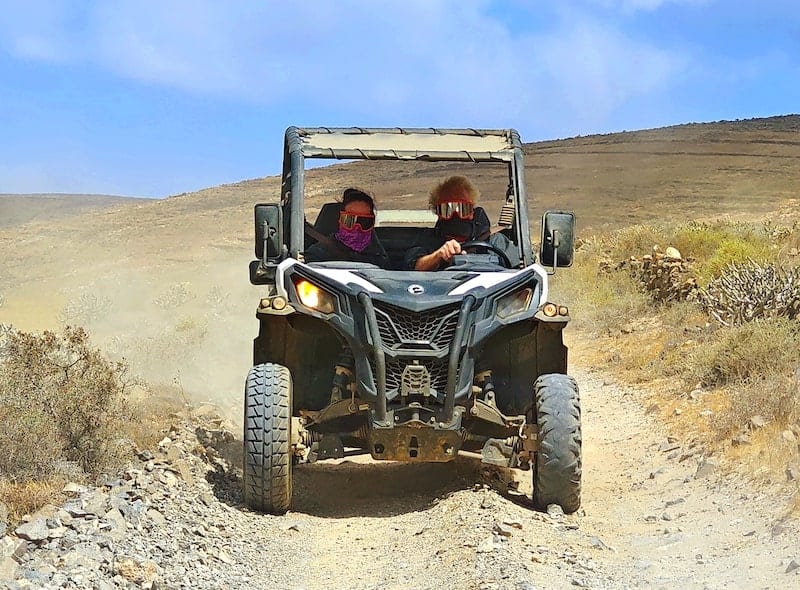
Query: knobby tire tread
x=558 y=465
x=267 y=420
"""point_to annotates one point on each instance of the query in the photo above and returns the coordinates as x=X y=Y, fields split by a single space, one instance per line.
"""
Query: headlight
x=514 y=303
x=313 y=297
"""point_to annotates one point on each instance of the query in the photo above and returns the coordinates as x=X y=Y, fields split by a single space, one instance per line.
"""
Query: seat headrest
x=481 y=223
x=328 y=218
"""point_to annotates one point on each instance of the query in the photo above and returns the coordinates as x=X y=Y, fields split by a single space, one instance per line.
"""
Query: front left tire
x=267 y=475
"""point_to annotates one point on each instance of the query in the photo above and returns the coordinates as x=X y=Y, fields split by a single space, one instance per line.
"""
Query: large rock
x=8 y=569
x=9 y=549
x=707 y=467
x=137 y=572
x=672 y=253
x=35 y=530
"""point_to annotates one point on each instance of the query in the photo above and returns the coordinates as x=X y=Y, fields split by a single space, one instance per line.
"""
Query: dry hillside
x=19 y=209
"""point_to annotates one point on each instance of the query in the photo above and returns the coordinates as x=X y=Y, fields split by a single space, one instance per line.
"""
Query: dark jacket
x=373 y=253
x=480 y=231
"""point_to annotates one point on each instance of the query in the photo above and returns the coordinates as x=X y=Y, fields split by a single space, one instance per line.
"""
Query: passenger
x=355 y=239
x=459 y=221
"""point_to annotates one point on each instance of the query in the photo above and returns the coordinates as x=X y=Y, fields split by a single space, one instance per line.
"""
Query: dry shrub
x=715 y=246
x=217 y=300
x=27 y=497
x=642 y=355
x=786 y=236
x=701 y=239
x=747 y=291
x=682 y=315
x=30 y=440
x=731 y=251
x=599 y=302
x=85 y=310
x=176 y=296
x=682 y=327
x=636 y=240
x=62 y=405
x=749 y=353
x=772 y=396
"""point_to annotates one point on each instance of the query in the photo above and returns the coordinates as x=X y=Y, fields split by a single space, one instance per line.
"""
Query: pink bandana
x=356 y=238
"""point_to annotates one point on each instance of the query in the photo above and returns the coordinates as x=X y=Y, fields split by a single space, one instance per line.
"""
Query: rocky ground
x=657 y=513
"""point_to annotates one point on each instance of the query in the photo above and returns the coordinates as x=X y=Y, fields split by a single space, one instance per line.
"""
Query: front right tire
x=267 y=475
x=558 y=464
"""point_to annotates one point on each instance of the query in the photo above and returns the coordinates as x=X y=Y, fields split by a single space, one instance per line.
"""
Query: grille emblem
x=416 y=289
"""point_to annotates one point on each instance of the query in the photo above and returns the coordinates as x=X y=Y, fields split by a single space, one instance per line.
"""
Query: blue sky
x=147 y=98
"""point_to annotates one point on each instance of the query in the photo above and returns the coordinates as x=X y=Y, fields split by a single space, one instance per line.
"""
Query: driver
x=459 y=220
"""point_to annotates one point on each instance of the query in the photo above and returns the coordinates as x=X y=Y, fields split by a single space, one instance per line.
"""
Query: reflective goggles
x=446 y=209
x=350 y=220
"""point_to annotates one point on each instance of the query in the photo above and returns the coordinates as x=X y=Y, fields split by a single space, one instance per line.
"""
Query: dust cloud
x=184 y=330
x=187 y=335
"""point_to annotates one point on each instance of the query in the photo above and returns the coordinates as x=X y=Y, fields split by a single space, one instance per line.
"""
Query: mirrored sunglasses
x=350 y=220
x=464 y=209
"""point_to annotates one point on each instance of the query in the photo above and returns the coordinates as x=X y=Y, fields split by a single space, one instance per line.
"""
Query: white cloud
x=412 y=62
x=594 y=70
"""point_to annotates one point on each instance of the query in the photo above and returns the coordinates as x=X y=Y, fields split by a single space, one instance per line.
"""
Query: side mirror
x=558 y=239
x=260 y=274
x=269 y=231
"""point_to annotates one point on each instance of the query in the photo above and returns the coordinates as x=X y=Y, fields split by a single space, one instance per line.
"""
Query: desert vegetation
x=67 y=414
x=708 y=314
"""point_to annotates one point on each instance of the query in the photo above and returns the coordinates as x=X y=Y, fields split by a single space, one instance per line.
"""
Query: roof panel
x=409 y=145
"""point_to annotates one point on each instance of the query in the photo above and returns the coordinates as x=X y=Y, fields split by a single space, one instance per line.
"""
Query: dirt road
x=655 y=515
x=648 y=520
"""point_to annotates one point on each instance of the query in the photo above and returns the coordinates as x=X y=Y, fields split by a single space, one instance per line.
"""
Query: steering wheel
x=482 y=244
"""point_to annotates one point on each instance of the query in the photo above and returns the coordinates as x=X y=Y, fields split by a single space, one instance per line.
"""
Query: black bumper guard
x=456 y=348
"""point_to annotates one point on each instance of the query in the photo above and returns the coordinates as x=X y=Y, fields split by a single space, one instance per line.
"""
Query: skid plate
x=414 y=443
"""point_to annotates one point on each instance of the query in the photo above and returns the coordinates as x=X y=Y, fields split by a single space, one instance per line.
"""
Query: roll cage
x=396 y=143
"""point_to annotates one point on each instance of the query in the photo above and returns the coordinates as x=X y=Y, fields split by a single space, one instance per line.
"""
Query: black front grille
x=437 y=369
x=403 y=328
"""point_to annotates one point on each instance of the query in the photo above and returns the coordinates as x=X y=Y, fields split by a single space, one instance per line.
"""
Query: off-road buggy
x=414 y=337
